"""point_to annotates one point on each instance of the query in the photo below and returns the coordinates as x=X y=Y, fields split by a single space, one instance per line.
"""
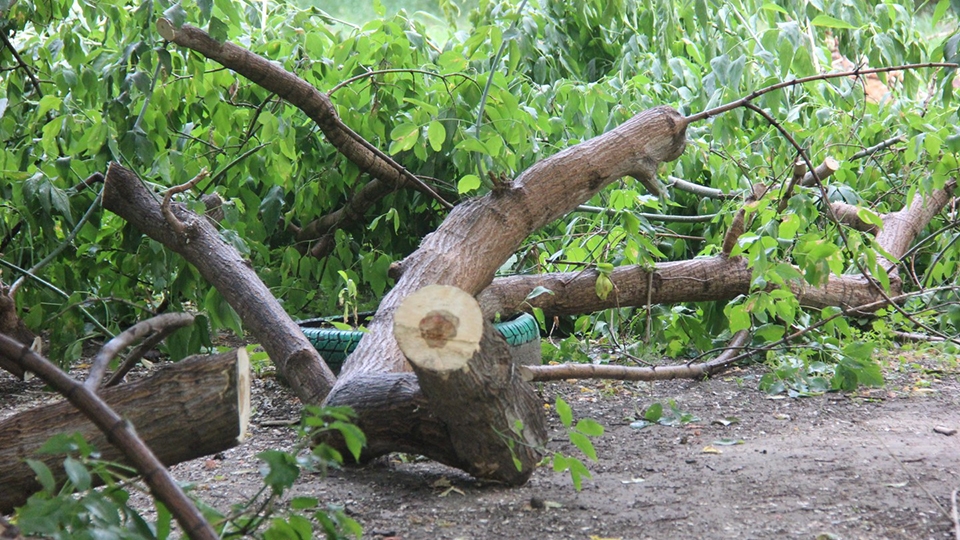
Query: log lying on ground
x=190 y=409
x=224 y=268
x=709 y=278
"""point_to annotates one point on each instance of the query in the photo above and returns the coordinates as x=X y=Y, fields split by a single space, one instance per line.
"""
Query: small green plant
x=671 y=416
x=579 y=435
x=73 y=509
x=803 y=374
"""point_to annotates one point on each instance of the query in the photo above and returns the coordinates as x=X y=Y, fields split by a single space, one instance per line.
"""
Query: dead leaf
x=711 y=450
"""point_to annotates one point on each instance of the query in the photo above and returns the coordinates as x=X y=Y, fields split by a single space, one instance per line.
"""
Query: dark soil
x=866 y=465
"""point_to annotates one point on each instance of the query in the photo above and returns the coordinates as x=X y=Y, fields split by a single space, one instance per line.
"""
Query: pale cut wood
x=190 y=409
x=493 y=417
x=439 y=327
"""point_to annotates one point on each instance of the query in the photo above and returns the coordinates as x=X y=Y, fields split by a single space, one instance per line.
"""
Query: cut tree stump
x=194 y=408
x=459 y=358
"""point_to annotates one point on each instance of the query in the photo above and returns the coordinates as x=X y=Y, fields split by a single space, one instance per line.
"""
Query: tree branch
x=302 y=95
x=120 y=433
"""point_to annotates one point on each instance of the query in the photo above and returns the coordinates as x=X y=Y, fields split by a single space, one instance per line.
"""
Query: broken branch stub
x=465 y=369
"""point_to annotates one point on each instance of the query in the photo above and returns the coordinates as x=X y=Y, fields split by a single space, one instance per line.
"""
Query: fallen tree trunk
x=190 y=409
x=466 y=251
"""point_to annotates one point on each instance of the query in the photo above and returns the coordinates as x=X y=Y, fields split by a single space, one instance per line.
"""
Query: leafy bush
x=513 y=84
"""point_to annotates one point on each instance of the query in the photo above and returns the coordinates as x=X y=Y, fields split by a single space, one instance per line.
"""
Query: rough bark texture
x=474 y=241
x=223 y=267
x=460 y=359
x=12 y=325
x=190 y=409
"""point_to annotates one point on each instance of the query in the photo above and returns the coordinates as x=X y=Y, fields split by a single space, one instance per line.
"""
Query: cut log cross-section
x=459 y=358
x=190 y=409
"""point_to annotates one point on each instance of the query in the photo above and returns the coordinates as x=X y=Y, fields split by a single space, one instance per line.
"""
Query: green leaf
x=867 y=215
x=938 y=13
x=352 y=436
x=589 y=427
x=769 y=6
x=582 y=442
x=47 y=103
x=654 y=413
x=861 y=350
x=218 y=29
x=77 y=473
x=304 y=503
x=176 y=15
x=468 y=183
x=404 y=136
x=164 y=520
x=280 y=470
x=537 y=291
x=564 y=412
x=436 y=134
x=827 y=21
x=739 y=318
x=604 y=286
x=44 y=475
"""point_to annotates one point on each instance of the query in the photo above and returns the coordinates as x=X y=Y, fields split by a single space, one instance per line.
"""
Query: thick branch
x=480 y=234
x=223 y=267
x=628 y=373
x=302 y=95
x=120 y=433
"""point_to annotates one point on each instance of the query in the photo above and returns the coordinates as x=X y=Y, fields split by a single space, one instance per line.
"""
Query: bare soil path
x=868 y=465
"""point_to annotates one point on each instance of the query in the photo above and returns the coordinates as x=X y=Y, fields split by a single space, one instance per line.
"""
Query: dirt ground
x=877 y=464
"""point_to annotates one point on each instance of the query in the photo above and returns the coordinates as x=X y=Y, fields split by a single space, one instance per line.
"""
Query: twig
x=112 y=348
x=175 y=223
x=302 y=95
x=803 y=80
x=878 y=147
x=697 y=189
x=59 y=249
x=376 y=72
x=799 y=170
x=60 y=292
x=120 y=433
x=954 y=514
x=652 y=217
x=628 y=373
x=688 y=371
x=136 y=354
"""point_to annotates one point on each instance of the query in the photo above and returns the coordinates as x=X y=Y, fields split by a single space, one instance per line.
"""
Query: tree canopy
x=464 y=107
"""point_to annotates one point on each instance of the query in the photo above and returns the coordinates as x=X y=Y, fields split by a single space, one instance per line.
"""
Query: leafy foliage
x=92 y=82
x=74 y=510
x=579 y=435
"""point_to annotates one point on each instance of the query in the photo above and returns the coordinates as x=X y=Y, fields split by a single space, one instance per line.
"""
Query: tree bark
x=460 y=359
x=710 y=278
x=223 y=267
x=467 y=249
x=193 y=408
x=12 y=325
